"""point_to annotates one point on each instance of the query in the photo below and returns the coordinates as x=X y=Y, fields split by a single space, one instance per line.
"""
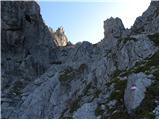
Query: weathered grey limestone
x=148 y=22
x=135 y=90
x=44 y=76
x=87 y=110
x=59 y=37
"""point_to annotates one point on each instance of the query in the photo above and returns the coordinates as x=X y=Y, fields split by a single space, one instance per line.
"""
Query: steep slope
x=148 y=22
x=28 y=49
x=115 y=78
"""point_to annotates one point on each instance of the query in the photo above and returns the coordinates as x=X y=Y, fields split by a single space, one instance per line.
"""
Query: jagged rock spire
x=60 y=39
x=113 y=27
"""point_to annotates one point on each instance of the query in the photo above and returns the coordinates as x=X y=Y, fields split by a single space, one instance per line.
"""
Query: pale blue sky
x=83 y=21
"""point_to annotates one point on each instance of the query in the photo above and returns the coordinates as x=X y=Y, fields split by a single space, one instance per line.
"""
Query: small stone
x=103 y=107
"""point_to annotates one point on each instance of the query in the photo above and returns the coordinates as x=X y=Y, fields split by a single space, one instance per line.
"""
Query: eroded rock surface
x=113 y=27
x=60 y=39
x=42 y=79
x=148 y=22
x=135 y=91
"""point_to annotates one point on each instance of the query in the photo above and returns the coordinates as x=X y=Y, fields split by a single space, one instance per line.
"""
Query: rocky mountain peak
x=148 y=22
x=115 y=78
x=113 y=27
x=59 y=37
x=60 y=30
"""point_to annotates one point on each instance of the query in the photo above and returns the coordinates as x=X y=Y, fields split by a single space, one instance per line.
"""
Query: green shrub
x=74 y=104
x=66 y=75
x=148 y=104
x=99 y=111
x=16 y=89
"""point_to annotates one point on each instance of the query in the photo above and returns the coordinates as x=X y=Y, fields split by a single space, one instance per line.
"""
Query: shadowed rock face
x=27 y=43
x=41 y=79
x=27 y=48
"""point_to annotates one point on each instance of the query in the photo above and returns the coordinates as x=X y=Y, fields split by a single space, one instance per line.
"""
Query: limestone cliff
x=115 y=78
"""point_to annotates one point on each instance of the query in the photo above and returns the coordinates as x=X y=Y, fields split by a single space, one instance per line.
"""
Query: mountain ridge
x=45 y=77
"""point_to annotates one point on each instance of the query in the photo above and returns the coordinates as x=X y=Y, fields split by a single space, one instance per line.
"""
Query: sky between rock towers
x=83 y=19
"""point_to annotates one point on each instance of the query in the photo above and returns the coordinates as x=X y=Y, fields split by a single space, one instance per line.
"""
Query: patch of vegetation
x=67 y=74
x=74 y=104
x=144 y=66
x=16 y=89
x=116 y=73
x=69 y=117
x=119 y=86
x=99 y=111
x=120 y=115
x=152 y=94
x=97 y=92
x=154 y=38
x=148 y=104
x=87 y=88
x=139 y=30
x=124 y=40
x=119 y=110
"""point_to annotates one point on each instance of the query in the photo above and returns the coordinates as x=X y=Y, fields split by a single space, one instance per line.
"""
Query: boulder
x=135 y=90
x=87 y=110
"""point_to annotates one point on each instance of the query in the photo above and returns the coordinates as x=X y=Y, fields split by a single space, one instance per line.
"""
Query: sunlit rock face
x=59 y=37
x=135 y=91
x=113 y=27
x=149 y=21
x=43 y=76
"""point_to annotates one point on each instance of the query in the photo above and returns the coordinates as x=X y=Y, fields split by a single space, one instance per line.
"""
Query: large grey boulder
x=87 y=110
x=135 y=90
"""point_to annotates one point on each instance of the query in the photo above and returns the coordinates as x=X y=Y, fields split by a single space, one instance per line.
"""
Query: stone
x=45 y=76
x=156 y=112
x=135 y=90
x=87 y=110
x=148 y=22
x=113 y=27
